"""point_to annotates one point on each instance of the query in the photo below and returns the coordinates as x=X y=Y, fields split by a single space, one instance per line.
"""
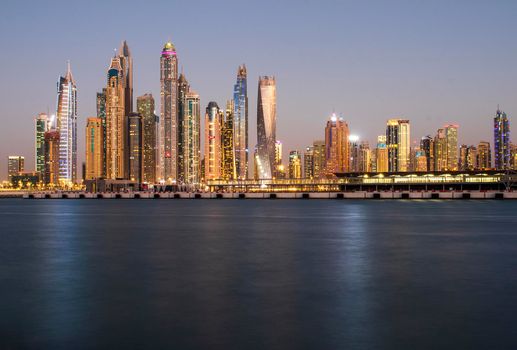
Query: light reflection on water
x=259 y=274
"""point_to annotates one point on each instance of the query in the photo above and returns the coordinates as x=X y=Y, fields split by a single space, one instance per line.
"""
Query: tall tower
x=319 y=158
x=169 y=113
x=228 y=169
x=336 y=146
x=501 y=140
x=116 y=125
x=126 y=63
x=41 y=126
x=67 y=127
x=308 y=162
x=451 y=136
x=213 y=150
x=484 y=156
x=134 y=144
x=192 y=139
x=381 y=156
x=240 y=101
x=94 y=148
x=101 y=114
x=266 y=126
x=398 y=144
x=51 y=158
x=145 y=107
x=295 y=165
x=427 y=146
x=183 y=89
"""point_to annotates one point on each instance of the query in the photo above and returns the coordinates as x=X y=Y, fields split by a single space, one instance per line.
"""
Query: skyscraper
x=94 y=149
x=51 y=158
x=501 y=141
x=213 y=138
x=295 y=165
x=364 y=158
x=308 y=163
x=67 y=127
x=101 y=114
x=126 y=63
x=145 y=107
x=134 y=143
x=451 y=136
x=266 y=126
x=169 y=112
x=467 y=158
x=427 y=146
x=381 y=156
x=440 y=151
x=41 y=126
x=192 y=139
x=240 y=119
x=116 y=125
x=319 y=159
x=337 y=146
x=228 y=168
x=398 y=144
x=484 y=156
x=183 y=89
x=15 y=166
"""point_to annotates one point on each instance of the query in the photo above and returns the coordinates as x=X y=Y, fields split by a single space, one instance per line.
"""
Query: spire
x=124 y=49
x=68 y=75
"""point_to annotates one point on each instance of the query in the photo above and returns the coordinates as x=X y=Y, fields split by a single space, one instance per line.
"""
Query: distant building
x=364 y=157
x=501 y=141
x=308 y=163
x=398 y=144
x=135 y=147
x=94 y=149
x=213 y=137
x=41 y=127
x=150 y=121
x=266 y=126
x=192 y=139
x=183 y=90
x=15 y=166
x=484 y=156
x=240 y=120
x=295 y=165
x=336 y=146
x=451 y=135
x=381 y=156
x=427 y=146
x=51 y=158
x=101 y=114
x=319 y=159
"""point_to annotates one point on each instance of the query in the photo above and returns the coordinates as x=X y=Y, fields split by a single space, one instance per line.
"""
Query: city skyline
x=426 y=113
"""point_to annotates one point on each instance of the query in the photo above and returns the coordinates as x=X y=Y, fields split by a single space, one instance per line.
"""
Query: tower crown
x=169 y=49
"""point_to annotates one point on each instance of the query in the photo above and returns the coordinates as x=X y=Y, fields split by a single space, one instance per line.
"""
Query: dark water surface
x=258 y=274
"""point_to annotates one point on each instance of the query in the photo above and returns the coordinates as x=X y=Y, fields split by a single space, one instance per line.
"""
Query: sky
x=432 y=62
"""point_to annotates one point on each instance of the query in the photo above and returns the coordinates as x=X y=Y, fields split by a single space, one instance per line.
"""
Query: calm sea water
x=258 y=274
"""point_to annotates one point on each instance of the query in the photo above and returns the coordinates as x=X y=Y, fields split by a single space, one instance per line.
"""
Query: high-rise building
x=240 y=120
x=169 y=112
x=451 y=136
x=427 y=146
x=266 y=126
x=381 y=155
x=213 y=137
x=67 y=127
x=228 y=168
x=15 y=166
x=41 y=127
x=420 y=163
x=308 y=163
x=116 y=123
x=101 y=114
x=51 y=158
x=126 y=63
x=295 y=165
x=398 y=145
x=145 y=107
x=279 y=167
x=353 y=153
x=319 y=161
x=501 y=141
x=336 y=146
x=364 y=158
x=135 y=147
x=484 y=156
x=183 y=89
x=94 y=149
x=467 y=158
x=192 y=139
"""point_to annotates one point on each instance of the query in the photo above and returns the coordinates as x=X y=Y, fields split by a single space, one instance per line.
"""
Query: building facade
x=337 y=154
x=192 y=139
x=295 y=165
x=51 y=176
x=501 y=141
x=15 y=166
x=213 y=137
x=484 y=156
x=41 y=126
x=135 y=147
x=150 y=132
x=266 y=126
x=240 y=119
x=228 y=168
x=94 y=149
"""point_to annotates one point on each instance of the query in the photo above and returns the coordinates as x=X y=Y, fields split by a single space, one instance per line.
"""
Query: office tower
x=513 y=156
x=126 y=63
x=364 y=158
x=381 y=155
x=145 y=107
x=67 y=127
x=398 y=144
x=336 y=146
x=427 y=146
x=440 y=151
x=319 y=159
x=228 y=168
x=295 y=165
x=169 y=112
x=135 y=146
x=463 y=160
x=52 y=158
x=183 y=89
x=41 y=126
x=192 y=139
x=278 y=167
x=101 y=114
x=451 y=137
x=467 y=158
x=353 y=153
x=116 y=124
x=501 y=141
x=484 y=156
x=240 y=120
x=420 y=163
x=213 y=137
x=94 y=149
x=308 y=163
x=15 y=166
x=266 y=126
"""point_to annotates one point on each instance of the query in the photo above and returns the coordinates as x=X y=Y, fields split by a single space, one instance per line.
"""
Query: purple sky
x=432 y=62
